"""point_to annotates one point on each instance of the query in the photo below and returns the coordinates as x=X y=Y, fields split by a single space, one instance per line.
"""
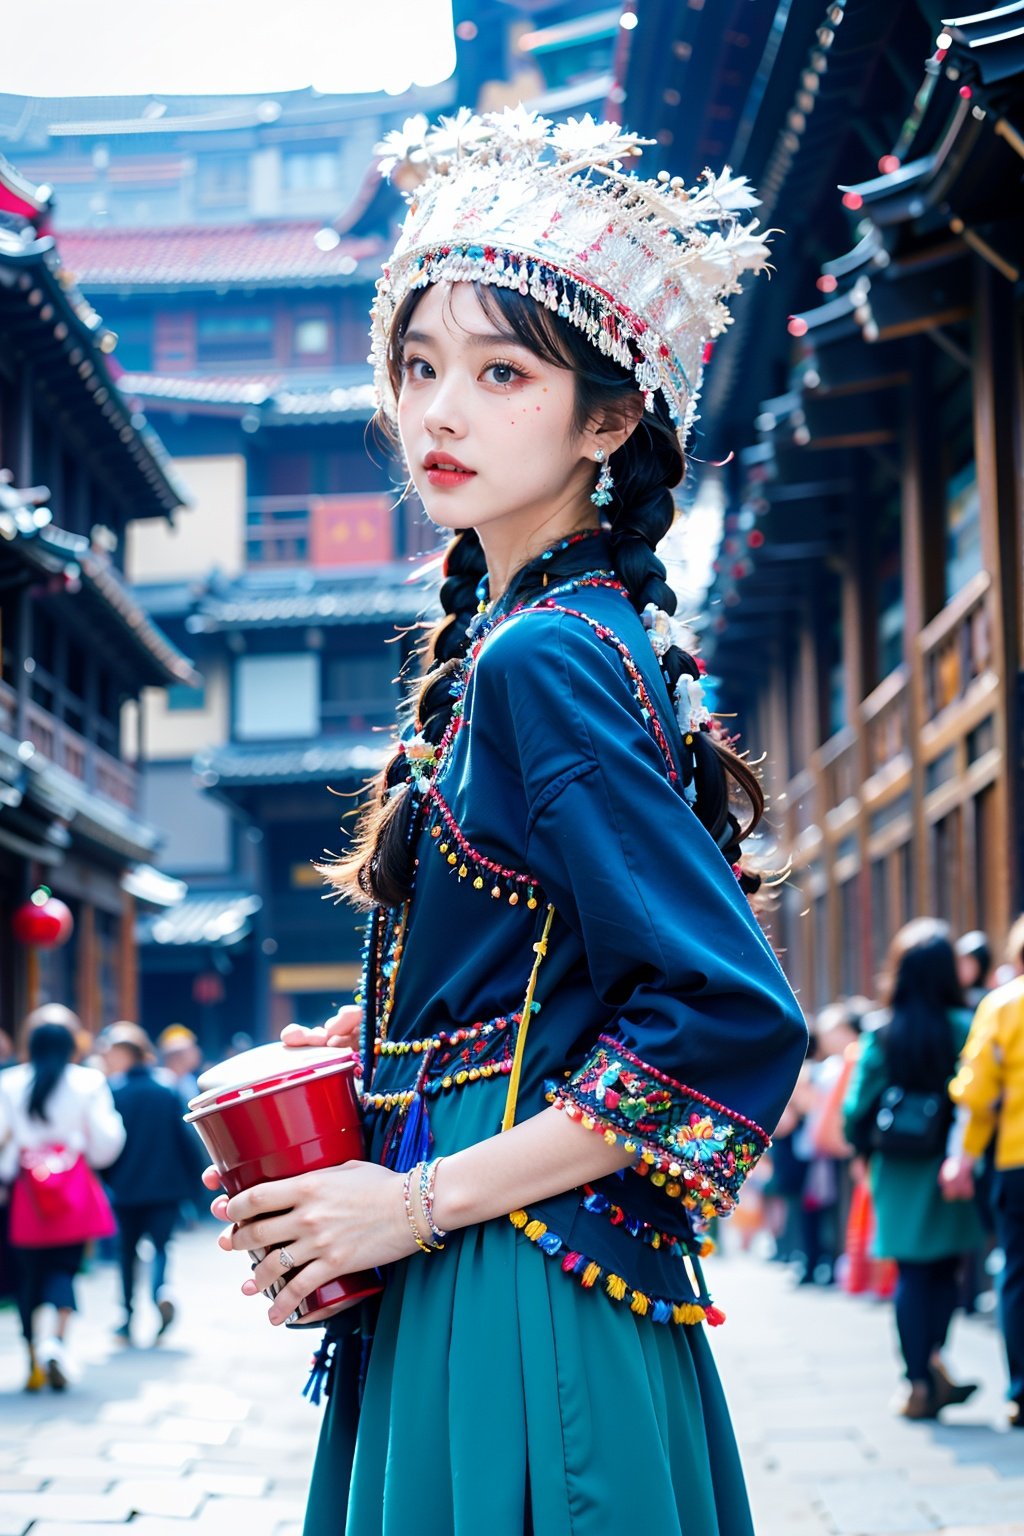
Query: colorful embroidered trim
x=697 y=1157
x=447 y=1060
x=695 y=1309
x=466 y=861
x=678 y=1243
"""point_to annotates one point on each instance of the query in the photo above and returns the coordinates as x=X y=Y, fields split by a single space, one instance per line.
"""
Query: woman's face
x=487 y=426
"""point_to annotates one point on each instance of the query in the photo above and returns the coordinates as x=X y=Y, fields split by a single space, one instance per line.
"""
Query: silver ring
x=285 y=1259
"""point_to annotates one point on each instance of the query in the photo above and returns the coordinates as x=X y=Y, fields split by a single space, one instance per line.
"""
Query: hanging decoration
x=44 y=922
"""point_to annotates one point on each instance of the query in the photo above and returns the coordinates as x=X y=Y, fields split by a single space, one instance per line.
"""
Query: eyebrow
x=475 y=339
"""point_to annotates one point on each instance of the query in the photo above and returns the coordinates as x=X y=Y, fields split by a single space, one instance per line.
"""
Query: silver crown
x=642 y=268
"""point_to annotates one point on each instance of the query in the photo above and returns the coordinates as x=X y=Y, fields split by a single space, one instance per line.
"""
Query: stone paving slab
x=208 y=1434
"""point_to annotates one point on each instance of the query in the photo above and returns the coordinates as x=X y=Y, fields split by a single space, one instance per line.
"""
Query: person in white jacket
x=50 y=1101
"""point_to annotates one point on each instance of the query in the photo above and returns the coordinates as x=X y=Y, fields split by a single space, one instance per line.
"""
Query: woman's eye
x=416 y=368
x=503 y=373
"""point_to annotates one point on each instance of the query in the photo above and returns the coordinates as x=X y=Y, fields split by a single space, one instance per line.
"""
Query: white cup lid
x=265 y=1062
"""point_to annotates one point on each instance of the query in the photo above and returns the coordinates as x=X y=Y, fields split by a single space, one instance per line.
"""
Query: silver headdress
x=642 y=268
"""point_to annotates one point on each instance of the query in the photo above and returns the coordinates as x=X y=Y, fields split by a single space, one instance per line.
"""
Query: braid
x=642 y=511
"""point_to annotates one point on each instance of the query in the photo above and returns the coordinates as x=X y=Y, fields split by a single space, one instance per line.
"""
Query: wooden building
x=77 y=647
x=865 y=614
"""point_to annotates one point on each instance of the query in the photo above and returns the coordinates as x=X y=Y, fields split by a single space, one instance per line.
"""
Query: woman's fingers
x=317 y=1272
x=301 y=1034
x=211 y=1178
x=343 y=1028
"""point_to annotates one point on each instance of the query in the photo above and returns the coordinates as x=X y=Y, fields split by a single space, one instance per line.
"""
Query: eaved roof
x=313 y=762
x=28 y=532
x=215 y=918
x=345 y=394
x=214 y=256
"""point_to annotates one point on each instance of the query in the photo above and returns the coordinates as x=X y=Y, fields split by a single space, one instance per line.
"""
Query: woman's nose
x=445 y=414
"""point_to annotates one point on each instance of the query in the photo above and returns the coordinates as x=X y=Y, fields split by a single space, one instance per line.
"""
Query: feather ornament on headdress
x=642 y=268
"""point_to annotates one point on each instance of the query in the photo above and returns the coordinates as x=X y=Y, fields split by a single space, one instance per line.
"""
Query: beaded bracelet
x=428 y=1178
x=407 y=1197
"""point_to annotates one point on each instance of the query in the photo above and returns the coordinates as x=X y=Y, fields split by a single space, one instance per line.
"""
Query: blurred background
x=202 y=567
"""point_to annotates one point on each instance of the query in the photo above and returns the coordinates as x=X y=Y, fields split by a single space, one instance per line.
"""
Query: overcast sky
x=176 y=47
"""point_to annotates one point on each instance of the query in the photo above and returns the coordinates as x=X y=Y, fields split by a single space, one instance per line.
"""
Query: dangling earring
x=601 y=495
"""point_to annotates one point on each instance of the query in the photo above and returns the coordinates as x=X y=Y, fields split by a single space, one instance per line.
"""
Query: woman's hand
x=342 y=1030
x=332 y=1222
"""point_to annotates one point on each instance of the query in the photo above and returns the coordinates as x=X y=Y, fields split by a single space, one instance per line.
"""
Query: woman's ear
x=615 y=425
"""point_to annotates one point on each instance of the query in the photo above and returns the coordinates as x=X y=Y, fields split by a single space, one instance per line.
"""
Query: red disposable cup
x=277 y=1111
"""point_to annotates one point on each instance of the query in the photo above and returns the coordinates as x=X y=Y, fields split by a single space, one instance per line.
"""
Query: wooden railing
x=885 y=721
x=837 y=761
x=957 y=646
x=63 y=747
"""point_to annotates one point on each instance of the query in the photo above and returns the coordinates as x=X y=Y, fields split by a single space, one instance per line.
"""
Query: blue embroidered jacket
x=661 y=1016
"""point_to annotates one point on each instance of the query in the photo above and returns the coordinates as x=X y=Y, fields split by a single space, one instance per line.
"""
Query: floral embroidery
x=696 y=1149
x=466 y=862
x=695 y=1308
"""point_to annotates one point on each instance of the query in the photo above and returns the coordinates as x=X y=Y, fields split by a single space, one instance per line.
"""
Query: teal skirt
x=500 y=1396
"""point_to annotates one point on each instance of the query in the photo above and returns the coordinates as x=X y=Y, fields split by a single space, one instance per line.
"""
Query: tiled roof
x=215 y=918
x=347 y=396
x=210 y=256
x=383 y=593
x=289 y=763
x=29 y=531
x=37 y=292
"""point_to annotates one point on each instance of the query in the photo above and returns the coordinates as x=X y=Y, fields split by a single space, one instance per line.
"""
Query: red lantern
x=43 y=921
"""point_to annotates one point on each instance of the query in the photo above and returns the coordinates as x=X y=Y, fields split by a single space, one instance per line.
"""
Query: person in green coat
x=916 y=1049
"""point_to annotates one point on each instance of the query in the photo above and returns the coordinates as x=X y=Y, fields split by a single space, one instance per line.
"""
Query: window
x=360 y=690
x=277 y=698
x=181 y=697
x=312 y=337
x=963 y=530
x=310 y=170
x=223 y=182
x=135 y=342
x=234 y=338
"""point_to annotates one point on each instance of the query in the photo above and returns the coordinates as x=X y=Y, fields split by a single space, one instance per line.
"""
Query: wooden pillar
x=993 y=385
x=87 y=978
x=916 y=484
x=127 y=962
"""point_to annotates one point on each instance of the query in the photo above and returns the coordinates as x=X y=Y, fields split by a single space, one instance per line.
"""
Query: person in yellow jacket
x=989 y=1090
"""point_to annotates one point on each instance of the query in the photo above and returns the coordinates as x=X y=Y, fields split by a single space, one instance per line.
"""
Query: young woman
x=928 y=1235
x=49 y=1101
x=574 y=1036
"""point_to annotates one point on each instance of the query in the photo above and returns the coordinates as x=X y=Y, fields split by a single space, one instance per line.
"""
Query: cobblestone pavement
x=207 y=1431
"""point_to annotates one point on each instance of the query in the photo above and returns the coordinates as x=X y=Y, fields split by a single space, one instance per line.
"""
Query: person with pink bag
x=57 y=1124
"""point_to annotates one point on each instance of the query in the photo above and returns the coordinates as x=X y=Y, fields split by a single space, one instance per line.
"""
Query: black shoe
x=1016 y=1413
x=947 y=1393
x=167 y=1311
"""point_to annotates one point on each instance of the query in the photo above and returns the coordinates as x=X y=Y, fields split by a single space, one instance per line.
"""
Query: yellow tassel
x=535 y=1229
x=707 y=1210
x=616 y=1287
x=611 y=1138
x=590 y=1275
x=707 y=1248
x=688 y=1312
x=639 y=1304
x=518 y=1218
x=658 y=1179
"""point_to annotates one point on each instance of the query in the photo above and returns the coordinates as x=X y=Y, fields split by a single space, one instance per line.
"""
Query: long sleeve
x=699 y=1057
x=103 y=1127
x=978 y=1084
x=867 y=1083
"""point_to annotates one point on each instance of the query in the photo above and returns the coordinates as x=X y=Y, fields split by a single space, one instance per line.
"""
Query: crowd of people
x=93 y=1151
x=898 y=1166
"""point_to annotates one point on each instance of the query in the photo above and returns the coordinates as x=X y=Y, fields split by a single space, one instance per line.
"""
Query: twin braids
x=379 y=866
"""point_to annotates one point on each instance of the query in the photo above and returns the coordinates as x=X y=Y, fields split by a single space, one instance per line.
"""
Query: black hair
x=50 y=1048
x=646 y=468
x=918 y=1040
